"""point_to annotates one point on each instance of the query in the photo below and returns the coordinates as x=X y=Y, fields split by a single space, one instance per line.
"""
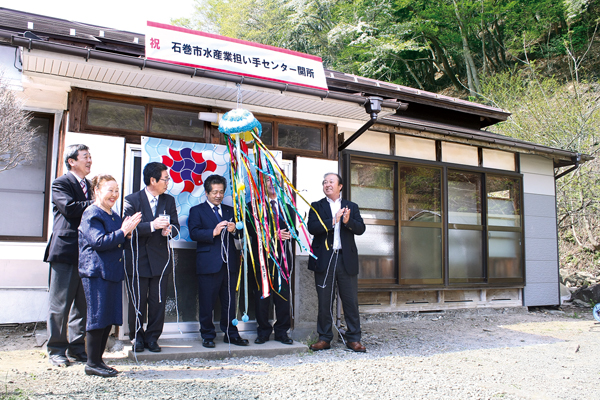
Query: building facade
x=457 y=217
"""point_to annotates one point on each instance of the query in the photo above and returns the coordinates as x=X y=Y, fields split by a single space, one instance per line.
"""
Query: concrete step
x=178 y=349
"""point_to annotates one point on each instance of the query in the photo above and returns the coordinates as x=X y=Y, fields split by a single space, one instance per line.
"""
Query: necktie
x=274 y=207
x=84 y=187
x=216 y=210
x=153 y=205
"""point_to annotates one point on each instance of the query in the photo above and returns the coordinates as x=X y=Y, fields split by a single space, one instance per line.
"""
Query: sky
x=126 y=15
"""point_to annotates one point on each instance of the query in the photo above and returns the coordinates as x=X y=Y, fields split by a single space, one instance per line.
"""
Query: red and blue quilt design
x=187 y=166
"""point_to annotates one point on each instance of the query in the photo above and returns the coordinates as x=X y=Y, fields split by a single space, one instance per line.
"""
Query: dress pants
x=67 y=310
x=281 y=302
x=348 y=289
x=211 y=287
x=153 y=311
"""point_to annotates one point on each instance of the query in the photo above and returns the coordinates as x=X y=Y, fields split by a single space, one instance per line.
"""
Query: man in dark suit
x=281 y=249
x=337 y=261
x=149 y=266
x=71 y=195
x=217 y=262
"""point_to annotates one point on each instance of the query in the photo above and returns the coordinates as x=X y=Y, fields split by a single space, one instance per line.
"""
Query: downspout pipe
x=576 y=160
x=373 y=107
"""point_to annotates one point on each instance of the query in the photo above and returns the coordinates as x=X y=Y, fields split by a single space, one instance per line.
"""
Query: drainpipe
x=576 y=160
x=373 y=107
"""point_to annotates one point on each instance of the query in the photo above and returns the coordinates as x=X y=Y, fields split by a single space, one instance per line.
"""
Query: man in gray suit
x=149 y=265
x=71 y=195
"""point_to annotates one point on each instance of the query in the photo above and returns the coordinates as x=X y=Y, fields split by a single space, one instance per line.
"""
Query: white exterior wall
x=541 y=242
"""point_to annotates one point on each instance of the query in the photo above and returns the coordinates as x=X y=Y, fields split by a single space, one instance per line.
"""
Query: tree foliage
x=16 y=135
x=429 y=44
x=561 y=114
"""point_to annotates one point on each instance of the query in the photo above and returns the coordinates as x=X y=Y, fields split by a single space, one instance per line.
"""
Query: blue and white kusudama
x=240 y=121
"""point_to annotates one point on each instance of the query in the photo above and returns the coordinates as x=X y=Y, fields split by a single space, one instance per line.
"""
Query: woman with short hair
x=102 y=235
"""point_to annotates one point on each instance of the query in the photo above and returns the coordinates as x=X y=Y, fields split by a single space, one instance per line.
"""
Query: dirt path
x=484 y=354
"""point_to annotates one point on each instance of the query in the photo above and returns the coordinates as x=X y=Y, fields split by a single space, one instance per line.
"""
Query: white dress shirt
x=335 y=207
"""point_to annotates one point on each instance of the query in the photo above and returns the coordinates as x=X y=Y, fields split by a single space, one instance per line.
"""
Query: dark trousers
x=348 y=290
x=262 y=306
x=67 y=310
x=211 y=287
x=144 y=295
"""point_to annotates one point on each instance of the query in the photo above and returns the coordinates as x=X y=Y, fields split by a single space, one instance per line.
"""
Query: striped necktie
x=153 y=205
x=84 y=187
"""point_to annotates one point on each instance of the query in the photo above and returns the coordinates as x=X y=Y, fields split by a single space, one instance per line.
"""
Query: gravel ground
x=480 y=354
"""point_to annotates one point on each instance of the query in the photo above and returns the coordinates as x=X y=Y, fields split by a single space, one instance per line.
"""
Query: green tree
x=562 y=114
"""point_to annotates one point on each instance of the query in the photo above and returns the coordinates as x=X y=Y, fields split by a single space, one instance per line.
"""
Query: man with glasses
x=217 y=262
x=150 y=263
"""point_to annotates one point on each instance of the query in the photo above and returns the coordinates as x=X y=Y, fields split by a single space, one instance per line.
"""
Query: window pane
x=372 y=188
x=267 y=133
x=299 y=137
x=23 y=188
x=174 y=122
x=505 y=251
x=30 y=175
x=503 y=200
x=420 y=194
x=464 y=198
x=376 y=252
x=465 y=256
x=420 y=253
x=115 y=115
x=31 y=223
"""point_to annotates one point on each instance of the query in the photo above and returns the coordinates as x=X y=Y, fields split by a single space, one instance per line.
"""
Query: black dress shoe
x=153 y=347
x=103 y=365
x=260 y=340
x=80 y=357
x=285 y=340
x=138 y=347
x=100 y=371
x=59 y=360
x=238 y=341
x=208 y=343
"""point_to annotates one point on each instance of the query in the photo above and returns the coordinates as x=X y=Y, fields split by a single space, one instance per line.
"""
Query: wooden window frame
x=348 y=155
x=78 y=112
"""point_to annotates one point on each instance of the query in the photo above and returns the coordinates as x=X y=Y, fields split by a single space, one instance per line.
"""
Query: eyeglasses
x=216 y=192
x=167 y=179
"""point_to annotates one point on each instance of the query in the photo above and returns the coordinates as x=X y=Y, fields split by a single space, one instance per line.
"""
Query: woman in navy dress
x=102 y=236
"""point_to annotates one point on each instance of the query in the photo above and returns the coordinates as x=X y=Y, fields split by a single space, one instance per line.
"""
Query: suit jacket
x=355 y=226
x=152 y=247
x=254 y=241
x=69 y=202
x=201 y=224
x=101 y=245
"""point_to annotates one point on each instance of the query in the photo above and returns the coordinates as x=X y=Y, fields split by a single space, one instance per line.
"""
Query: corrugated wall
x=541 y=242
